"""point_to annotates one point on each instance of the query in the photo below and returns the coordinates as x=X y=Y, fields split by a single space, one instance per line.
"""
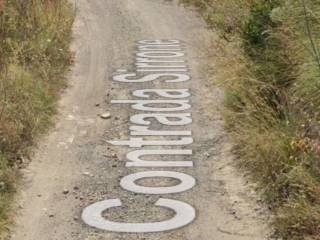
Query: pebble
x=87 y=173
x=106 y=115
x=65 y=191
x=2 y=186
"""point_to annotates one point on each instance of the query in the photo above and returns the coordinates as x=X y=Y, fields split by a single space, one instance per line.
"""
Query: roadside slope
x=34 y=59
x=272 y=104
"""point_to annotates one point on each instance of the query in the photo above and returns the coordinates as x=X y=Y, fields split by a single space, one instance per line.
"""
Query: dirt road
x=77 y=166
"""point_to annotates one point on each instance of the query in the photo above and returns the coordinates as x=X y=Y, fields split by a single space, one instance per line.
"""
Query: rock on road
x=75 y=167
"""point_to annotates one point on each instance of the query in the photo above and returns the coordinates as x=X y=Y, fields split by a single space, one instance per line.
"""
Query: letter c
x=92 y=215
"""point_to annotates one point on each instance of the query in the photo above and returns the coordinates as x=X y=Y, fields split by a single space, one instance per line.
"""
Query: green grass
x=34 y=57
x=273 y=102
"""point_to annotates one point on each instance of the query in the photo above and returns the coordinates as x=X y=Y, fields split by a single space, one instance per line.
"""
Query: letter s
x=151 y=77
x=92 y=215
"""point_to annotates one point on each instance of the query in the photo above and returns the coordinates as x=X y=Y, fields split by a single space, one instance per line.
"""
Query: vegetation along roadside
x=272 y=101
x=34 y=57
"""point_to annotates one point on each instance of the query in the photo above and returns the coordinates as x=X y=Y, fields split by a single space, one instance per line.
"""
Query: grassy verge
x=34 y=56
x=273 y=101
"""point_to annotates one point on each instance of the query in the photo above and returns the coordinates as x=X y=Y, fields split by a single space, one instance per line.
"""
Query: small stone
x=21 y=160
x=97 y=104
x=75 y=218
x=65 y=191
x=106 y=115
x=75 y=188
x=2 y=186
x=51 y=215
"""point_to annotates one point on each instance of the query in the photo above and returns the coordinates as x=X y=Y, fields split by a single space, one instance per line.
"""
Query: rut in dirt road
x=160 y=167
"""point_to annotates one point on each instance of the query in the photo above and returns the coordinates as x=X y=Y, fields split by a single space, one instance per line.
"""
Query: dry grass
x=34 y=56
x=272 y=102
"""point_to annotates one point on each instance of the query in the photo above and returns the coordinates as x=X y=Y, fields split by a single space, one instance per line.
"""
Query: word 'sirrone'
x=161 y=61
